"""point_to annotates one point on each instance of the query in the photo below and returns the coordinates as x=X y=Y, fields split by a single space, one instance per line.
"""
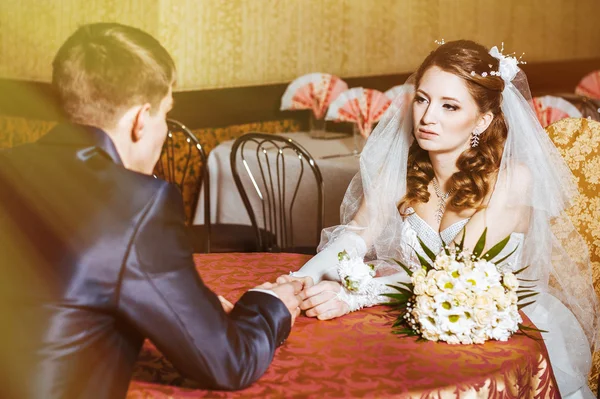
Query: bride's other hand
x=306 y=281
x=321 y=301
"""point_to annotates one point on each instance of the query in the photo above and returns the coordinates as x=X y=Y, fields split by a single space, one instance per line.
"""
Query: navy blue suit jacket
x=94 y=258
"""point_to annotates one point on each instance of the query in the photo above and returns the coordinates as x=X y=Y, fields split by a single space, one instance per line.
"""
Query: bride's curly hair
x=477 y=166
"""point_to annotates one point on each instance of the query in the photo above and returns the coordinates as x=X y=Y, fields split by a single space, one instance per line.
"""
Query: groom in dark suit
x=94 y=257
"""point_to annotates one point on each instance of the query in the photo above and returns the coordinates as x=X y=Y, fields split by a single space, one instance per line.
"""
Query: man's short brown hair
x=105 y=68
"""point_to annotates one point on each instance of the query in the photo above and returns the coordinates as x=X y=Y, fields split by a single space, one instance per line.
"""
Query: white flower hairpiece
x=509 y=65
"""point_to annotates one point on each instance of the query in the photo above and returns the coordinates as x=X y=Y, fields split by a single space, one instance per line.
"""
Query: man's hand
x=307 y=281
x=289 y=293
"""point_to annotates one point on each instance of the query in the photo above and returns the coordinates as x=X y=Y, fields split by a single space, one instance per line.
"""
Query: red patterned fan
x=313 y=91
x=589 y=86
x=550 y=109
x=361 y=106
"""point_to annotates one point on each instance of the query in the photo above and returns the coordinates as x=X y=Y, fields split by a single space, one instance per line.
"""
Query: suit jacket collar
x=81 y=136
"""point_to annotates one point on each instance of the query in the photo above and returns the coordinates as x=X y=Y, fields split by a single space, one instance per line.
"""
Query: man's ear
x=139 y=122
x=484 y=121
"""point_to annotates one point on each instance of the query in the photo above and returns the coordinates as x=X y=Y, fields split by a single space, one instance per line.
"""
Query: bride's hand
x=321 y=301
x=307 y=281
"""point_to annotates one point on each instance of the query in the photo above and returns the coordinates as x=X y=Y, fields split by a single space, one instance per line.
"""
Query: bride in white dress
x=462 y=149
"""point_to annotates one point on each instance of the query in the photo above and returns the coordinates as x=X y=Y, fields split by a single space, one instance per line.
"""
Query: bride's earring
x=475 y=138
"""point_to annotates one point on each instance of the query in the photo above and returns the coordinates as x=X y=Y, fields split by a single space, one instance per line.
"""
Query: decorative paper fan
x=589 y=86
x=361 y=106
x=550 y=109
x=313 y=91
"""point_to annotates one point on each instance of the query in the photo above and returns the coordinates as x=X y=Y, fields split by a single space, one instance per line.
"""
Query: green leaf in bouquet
x=427 y=251
x=528 y=281
x=423 y=261
x=497 y=262
x=525 y=291
x=496 y=249
x=528 y=296
x=410 y=286
x=480 y=244
x=527 y=328
x=406 y=269
x=398 y=322
x=397 y=287
x=406 y=331
x=444 y=246
x=522 y=305
x=460 y=246
x=403 y=290
x=521 y=270
x=522 y=332
x=398 y=297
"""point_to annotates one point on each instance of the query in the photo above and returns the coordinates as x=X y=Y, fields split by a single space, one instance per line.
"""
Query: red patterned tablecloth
x=355 y=355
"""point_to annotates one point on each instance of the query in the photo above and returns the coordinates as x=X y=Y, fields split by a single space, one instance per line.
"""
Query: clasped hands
x=289 y=292
x=319 y=300
x=301 y=294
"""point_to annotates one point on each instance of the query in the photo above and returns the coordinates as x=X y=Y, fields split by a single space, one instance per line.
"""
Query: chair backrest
x=276 y=168
x=184 y=163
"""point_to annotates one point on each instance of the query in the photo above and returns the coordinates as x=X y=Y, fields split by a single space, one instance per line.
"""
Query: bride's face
x=445 y=113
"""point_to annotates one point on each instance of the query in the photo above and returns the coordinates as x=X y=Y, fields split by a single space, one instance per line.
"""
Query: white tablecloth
x=226 y=202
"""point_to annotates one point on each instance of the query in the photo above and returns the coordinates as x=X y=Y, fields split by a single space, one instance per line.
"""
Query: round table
x=356 y=355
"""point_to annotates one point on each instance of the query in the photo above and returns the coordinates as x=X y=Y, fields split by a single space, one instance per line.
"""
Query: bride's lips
x=427 y=134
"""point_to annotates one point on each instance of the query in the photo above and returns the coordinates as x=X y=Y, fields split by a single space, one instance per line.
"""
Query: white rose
x=496 y=292
x=418 y=276
x=425 y=303
x=482 y=317
x=432 y=288
x=420 y=288
x=431 y=335
x=503 y=302
x=510 y=281
x=442 y=262
x=484 y=301
x=461 y=297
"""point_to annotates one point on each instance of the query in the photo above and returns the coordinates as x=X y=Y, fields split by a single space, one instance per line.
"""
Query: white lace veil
x=556 y=252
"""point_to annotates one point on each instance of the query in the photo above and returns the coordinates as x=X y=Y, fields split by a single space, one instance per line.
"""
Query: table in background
x=227 y=206
x=356 y=355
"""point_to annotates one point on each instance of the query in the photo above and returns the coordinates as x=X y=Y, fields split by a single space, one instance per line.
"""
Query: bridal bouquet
x=461 y=296
x=458 y=296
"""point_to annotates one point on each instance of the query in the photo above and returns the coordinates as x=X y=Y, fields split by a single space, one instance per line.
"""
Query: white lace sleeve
x=323 y=266
x=372 y=293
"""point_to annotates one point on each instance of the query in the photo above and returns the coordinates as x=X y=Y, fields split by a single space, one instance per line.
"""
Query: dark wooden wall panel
x=232 y=106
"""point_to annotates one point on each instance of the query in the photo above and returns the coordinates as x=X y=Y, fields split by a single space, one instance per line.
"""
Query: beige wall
x=227 y=43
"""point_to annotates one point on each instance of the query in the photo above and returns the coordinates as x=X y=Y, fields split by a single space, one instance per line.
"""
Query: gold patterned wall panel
x=31 y=31
x=229 y=43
